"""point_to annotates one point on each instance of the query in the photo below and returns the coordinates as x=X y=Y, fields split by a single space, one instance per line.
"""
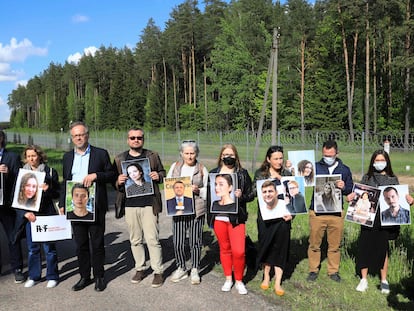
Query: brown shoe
x=157 y=281
x=138 y=277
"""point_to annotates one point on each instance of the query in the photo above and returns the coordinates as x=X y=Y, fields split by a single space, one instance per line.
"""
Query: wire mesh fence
x=167 y=143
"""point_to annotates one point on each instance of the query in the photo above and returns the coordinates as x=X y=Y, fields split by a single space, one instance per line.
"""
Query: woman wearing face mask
x=373 y=242
x=230 y=228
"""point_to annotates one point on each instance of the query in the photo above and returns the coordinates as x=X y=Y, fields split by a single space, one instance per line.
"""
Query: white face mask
x=380 y=165
x=329 y=160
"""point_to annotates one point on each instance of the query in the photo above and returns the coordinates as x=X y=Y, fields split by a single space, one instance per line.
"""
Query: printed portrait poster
x=178 y=194
x=80 y=201
x=51 y=228
x=394 y=208
x=1 y=189
x=222 y=188
x=327 y=197
x=270 y=195
x=303 y=163
x=363 y=207
x=294 y=193
x=28 y=191
x=139 y=182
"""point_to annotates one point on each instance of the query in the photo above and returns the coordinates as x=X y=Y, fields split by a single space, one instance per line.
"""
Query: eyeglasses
x=79 y=135
x=136 y=137
x=188 y=141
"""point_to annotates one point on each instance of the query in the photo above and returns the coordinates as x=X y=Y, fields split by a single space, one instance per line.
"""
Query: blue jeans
x=35 y=258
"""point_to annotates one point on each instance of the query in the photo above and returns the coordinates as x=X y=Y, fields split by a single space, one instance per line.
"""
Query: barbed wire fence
x=210 y=143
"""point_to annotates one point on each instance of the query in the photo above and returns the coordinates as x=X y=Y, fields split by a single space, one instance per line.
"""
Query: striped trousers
x=194 y=226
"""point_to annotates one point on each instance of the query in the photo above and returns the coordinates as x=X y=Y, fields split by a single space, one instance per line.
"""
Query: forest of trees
x=342 y=64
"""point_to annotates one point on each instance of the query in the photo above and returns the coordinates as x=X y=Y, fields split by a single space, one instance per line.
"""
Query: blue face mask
x=329 y=160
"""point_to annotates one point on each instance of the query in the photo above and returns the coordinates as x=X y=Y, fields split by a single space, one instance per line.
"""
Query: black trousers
x=90 y=249
x=8 y=220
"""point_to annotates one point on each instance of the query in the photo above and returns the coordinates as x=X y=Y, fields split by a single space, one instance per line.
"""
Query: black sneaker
x=312 y=277
x=335 y=277
x=19 y=276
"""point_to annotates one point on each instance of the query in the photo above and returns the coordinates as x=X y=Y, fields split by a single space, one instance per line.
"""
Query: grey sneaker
x=178 y=275
x=157 y=281
x=138 y=277
x=385 y=287
x=335 y=277
x=312 y=276
x=195 y=278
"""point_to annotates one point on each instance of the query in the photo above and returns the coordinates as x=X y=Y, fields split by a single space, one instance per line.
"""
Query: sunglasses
x=188 y=141
x=136 y=137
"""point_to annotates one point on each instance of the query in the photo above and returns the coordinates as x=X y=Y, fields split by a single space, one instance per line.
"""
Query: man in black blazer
x=9 y=167
x=88 y=164
x=179 y=205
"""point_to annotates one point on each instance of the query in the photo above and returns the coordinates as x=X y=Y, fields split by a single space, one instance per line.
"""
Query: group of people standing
x=87 y=164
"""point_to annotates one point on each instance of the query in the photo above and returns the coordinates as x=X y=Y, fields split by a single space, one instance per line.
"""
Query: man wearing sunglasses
x=141 y=212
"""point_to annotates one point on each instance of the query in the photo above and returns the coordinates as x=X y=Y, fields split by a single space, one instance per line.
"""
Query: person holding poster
x=329 y=223
x=373 y=246
x=229 y=228
x=88 y=164
x=9 y=168
x=35 y=159
x=142 y=212
x=274 y=234
x=188 y=165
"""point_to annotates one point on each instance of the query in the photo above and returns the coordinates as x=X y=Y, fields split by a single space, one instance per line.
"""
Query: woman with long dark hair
x=230 y=228
x=373 y=246
x=273 y=234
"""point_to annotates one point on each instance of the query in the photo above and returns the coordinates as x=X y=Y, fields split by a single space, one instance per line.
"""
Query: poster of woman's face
x=28 y=191
x=303 y=163
x=80 y=201
x=363 y=207
x=222 y=188
x=139 y=182
x=271 y=199
x=178 y=193
x=394 y=207
x=327 y=197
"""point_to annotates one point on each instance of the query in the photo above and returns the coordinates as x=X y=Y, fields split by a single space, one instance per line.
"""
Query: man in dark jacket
x=330 y=223
x=9 y=168
x=88 y=164
x=141 y=213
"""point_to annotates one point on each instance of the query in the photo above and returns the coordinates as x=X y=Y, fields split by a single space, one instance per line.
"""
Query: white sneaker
x=195 y=278
x=227 y=286
x=362 y=286
x=241 y=288
x=178 y=275
x=29 y=283
x=51 y=283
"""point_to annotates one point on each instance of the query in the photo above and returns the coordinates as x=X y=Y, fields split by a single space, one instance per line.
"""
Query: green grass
x=324 y=294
